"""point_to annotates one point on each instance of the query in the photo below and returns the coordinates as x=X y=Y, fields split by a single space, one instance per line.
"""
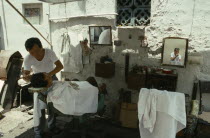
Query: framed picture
x=100 y=35
x=175 y=51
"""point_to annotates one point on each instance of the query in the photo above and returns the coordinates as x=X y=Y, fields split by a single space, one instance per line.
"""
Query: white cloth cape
x=68 y=100
x=161 y=113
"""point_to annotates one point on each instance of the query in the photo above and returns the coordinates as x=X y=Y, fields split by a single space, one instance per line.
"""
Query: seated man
x=68 y=97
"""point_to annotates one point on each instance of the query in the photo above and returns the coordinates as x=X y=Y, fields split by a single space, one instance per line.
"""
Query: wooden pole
x=27 y=21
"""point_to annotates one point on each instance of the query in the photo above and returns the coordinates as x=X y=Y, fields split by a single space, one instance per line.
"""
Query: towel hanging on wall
x=71 y=54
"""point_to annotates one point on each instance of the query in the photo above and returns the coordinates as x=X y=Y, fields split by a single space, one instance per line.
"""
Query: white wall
x=176 y=18
x=81 y=8
x=187 y=18
x=16 y=32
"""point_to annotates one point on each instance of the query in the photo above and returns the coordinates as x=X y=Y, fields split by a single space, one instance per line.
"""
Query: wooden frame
x=185 y=53
x=94 y=44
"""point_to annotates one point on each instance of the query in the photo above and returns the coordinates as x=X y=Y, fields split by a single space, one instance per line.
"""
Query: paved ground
x=18 y=123
x=23 y=130
x=15 y=122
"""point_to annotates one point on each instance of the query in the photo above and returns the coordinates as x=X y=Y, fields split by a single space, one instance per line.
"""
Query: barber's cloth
x=69 y=100
x=74 y=101
x=161 y=113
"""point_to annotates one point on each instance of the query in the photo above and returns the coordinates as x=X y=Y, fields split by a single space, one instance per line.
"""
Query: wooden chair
x=203 y=126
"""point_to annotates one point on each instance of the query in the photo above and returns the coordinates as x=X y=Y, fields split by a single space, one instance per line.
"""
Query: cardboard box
x=129 y=115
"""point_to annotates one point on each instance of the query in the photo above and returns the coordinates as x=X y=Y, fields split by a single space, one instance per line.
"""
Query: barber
x=39 y=60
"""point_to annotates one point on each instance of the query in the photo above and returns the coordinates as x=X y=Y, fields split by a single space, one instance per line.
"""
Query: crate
x=136 y=81
x=129 y=115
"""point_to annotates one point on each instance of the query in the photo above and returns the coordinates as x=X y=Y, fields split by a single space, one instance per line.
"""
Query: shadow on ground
x=95 y=129
x=27 y=134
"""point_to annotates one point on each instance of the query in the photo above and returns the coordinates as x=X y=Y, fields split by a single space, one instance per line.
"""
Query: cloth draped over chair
x=161 y=113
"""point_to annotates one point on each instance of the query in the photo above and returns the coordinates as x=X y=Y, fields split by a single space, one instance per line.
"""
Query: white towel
x=149 y=117
x=71 y=101
x=161 y=113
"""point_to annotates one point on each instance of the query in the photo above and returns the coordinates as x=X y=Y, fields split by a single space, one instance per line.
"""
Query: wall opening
x=34 y=13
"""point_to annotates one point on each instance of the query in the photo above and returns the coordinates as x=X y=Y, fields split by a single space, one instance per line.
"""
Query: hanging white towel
x=149 y=116
x=71 y=54
x=161 y=113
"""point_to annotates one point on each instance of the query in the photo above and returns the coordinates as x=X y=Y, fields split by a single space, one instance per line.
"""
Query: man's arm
x=173 y=58
x=59 y=67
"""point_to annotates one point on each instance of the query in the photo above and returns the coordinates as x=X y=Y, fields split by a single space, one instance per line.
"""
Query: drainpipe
x=49 y=23
x=5 y=25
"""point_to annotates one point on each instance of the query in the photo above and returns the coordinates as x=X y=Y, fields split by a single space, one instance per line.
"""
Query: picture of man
x=176 y=57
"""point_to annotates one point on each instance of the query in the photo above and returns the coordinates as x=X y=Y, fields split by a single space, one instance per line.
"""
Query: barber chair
x=78 y=123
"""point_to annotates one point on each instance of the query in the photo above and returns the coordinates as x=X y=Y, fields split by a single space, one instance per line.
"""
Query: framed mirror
x=174 y=51
x=100 y=35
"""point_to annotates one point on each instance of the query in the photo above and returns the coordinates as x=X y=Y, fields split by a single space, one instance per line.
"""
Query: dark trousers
x=51 y=121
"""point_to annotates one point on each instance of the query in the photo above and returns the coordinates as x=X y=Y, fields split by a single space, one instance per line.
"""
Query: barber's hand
x=27 y=78
x=48 y=74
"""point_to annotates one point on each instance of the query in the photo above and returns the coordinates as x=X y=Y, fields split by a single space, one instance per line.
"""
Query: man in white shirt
x=41 y=60
x=176 y=57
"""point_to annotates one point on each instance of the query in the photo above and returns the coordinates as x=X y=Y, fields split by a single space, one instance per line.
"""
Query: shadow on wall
x=2 y=46
x=83 y=21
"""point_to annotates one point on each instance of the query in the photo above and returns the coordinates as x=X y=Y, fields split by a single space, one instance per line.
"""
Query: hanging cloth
x=86 y=51
x=71 y=55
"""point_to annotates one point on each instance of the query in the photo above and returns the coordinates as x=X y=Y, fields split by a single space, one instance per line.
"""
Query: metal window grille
x=133 y=12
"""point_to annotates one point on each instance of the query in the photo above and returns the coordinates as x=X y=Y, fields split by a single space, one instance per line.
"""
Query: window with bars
x=133 y=12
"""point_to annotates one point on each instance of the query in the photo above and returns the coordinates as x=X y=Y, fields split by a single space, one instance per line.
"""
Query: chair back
x=204 y=87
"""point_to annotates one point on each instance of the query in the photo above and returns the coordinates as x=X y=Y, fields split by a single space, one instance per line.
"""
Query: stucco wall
x=187 y=18
x=175 y=18
x=81 y=8
x=16 y=31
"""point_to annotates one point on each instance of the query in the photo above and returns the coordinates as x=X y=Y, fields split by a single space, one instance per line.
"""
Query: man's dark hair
x=31 y=42
x=176 y=49
x=38 y=80
x=92 y=81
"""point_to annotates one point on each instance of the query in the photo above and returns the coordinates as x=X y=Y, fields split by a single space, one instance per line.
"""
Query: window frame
x=131 y=8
